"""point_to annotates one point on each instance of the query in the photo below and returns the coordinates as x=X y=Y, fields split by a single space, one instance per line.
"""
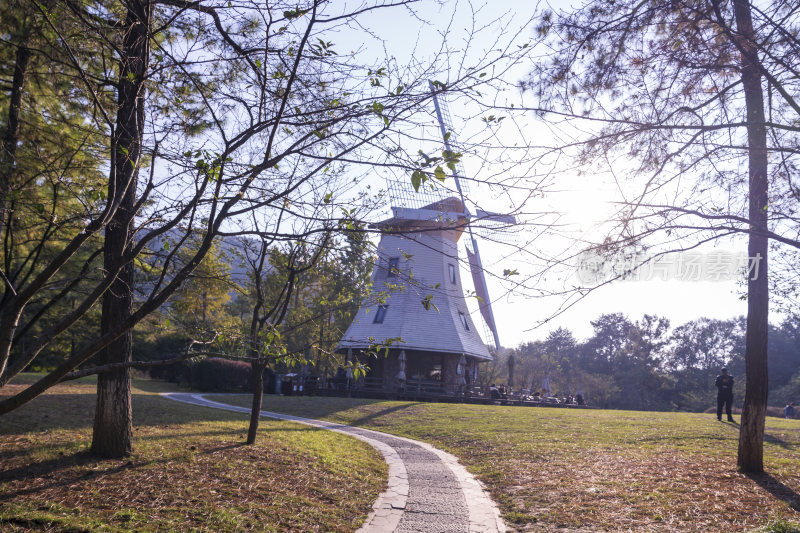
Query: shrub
x=220 y=375
x=174 y=373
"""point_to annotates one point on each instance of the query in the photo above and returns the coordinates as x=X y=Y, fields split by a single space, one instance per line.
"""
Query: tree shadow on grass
x=777 y=489
x=88 y=467
x=322 y=407
x=772 y=439
x=777 y=441
x=76 y=411
x=224 y=448
x=51 y=467
x=383 y=412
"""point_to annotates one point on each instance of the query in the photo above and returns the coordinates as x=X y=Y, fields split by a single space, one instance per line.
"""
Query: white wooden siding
x=428 y=254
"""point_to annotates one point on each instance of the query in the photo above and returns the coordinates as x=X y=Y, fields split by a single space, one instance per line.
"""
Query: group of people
x=498 y=393
x=724 y=384
x=501 y=392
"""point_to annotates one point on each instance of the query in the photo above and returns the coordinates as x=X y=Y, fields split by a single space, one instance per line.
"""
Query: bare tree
x=263 y=340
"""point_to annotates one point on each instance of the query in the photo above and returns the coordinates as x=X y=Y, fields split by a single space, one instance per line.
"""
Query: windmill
x=423 y=301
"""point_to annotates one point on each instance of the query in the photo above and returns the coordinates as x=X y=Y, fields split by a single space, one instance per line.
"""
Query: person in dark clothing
x=340 y=379
x=724 y=384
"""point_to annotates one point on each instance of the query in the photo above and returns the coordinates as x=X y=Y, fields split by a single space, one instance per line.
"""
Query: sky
x=583 y=204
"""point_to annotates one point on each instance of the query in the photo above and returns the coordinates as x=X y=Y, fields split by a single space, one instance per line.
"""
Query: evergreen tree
x=677 y=90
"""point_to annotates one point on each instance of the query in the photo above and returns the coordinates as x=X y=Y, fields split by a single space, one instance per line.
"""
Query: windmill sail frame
x=476 y=266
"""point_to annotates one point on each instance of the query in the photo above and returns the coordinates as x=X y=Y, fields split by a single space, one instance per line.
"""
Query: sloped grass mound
x=190 y=471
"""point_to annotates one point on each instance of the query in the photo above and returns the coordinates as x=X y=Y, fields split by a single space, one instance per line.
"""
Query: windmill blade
x=474 y=258
x=495 y=217
x=496 y=227
x=449 y=137
x=485 y=306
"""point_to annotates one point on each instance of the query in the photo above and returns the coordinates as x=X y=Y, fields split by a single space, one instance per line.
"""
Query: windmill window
x=394 y=262
x=380 y=314
x=464 y=322
x=452 y=269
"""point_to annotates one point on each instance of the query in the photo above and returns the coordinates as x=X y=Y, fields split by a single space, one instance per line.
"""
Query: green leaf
x=294 y=13
x=40 y=208
x=417 y=179
x=427 y=303
x=327 y=198
x=447 y=135
x=439 y=173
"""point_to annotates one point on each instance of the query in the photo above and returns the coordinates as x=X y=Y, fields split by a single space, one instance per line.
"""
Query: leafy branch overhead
x=421 y=174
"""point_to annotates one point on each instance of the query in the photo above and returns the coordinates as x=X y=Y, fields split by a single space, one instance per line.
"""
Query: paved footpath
x=428 y=490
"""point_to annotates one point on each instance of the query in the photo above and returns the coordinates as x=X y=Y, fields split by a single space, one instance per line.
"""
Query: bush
x=174 y=372
x=220 y=375
x=160 y=348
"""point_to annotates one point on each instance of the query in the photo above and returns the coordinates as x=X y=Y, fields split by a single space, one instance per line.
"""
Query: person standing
x=788 y=411
x=494 y=393
x=724 y=384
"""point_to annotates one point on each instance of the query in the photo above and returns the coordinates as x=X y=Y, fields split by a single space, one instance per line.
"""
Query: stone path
x=428 y=490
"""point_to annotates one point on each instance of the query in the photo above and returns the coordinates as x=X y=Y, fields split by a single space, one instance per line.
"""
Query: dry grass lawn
x=189 y=472
x=594 y=470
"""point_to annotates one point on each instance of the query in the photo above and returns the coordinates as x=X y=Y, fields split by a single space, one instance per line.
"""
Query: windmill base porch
x=378 y=384
x=412 y=372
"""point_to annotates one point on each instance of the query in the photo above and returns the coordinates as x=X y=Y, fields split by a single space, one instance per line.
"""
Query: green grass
x=780 y=526
x=189 y=471
x=593 y=470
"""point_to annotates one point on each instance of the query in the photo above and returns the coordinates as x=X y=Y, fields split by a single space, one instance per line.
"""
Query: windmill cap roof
x=449 y=204
x=448 y=212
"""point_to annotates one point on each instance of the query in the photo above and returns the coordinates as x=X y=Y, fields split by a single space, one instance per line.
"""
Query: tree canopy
x=683 y=97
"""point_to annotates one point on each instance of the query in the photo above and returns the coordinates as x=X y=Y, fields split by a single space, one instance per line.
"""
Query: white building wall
x=423 y=264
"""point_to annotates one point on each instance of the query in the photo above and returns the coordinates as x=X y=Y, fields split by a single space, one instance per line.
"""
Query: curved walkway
x=428 y=490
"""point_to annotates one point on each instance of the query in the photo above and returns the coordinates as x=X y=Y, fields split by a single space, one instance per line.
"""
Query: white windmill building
x=421 y=300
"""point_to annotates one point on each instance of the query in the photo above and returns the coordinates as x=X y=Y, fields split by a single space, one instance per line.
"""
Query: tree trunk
x=113 y=427
x=8 y=155
x=258 y=393
x=8 y=166
x=751 y=434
